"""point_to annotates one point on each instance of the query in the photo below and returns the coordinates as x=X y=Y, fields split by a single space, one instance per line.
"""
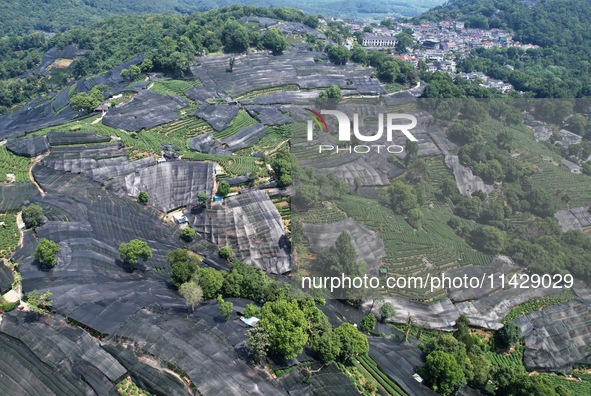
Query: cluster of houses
x=440 y=43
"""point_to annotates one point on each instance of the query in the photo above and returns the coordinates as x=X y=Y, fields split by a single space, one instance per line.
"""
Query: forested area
x=171 y=41
x=22 y=16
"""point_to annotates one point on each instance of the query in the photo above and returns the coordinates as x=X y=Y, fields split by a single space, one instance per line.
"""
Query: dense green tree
x=311 y=21
x=33 y=216
x=224 y=188
x=132 y=73
x=469 y=208
x=402 y=197
x=210 y=280
x=489 y=239
x=411 y=148
x=286 y=325
x=503 y=376
x=443 y=373
x=232 y=285
x=226 y=307
x=282 y=166
x=388 y=71
x=358 y=54
x=332 y=92
x=414 y=217
x=463 y=332
x=235 y=37
x=143 y=197
x=327 y=346
x=274 y=41
x=203 y=199
x=353 y=343
x=541 y=202
x=133 y=250
x=226 y=252
x=404 y=41
x=387 y=311
x=307 y=195
x=182 y=266
x=252 y=310
x=507 y=336
x=46 y=252
x=368 y=323
x=84 y=102
x=338 y=54
x=188 y=234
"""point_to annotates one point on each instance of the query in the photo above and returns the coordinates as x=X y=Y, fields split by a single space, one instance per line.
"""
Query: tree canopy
x=46 y=252
x=286 y=326
x=274 y=41
x=33 y=216
x=134 y=250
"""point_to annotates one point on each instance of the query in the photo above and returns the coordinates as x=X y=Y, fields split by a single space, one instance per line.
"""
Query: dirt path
x=36 y=161
x=21 y=226
x=277 y=147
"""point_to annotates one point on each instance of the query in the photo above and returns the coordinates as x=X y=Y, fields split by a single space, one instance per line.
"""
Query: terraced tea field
x=11 y=163
x=9 y=235
x=241 y=121
x=173 y=87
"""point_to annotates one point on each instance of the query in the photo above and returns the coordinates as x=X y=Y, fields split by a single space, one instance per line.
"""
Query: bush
x=33 y=216
x=226 y=252
x=46 y=252
x=187 y=234
x=368 y=323
x=143 y=198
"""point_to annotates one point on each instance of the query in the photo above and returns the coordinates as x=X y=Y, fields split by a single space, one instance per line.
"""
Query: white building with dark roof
x=369 y=40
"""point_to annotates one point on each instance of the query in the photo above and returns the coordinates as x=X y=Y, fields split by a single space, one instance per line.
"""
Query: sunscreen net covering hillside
x=89 y=224
x=557 y=337
x=199 y=350
x=66 y=138
x=28 y=147
x=171 y=185
x=251 y=225
x=146 y=110
x=245 y=137
x=218 y=116
x=44 y=355
x=268 y=115
x=293 y=70
x=207 y=144
x=14 y=195
x=368 y=246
